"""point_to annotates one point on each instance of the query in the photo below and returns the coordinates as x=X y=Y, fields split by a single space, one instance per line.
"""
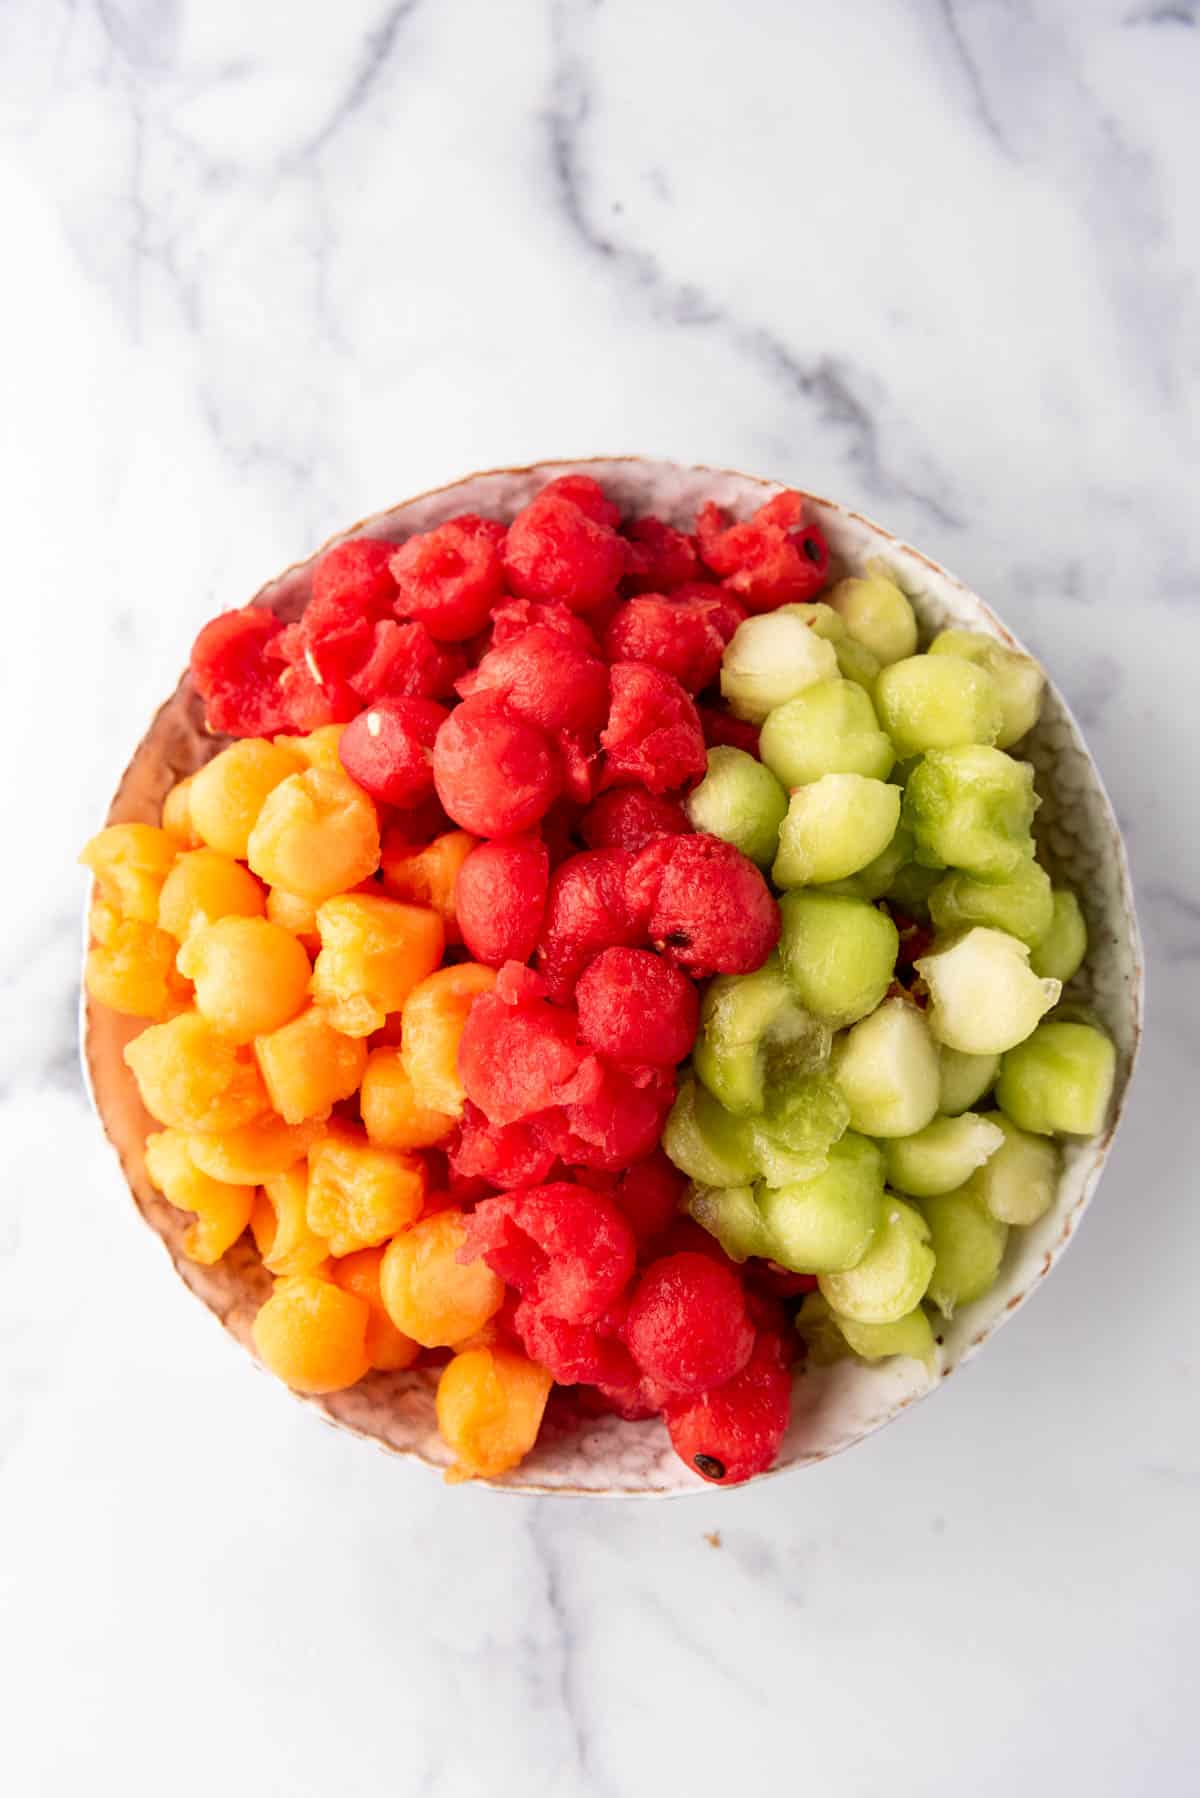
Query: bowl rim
x=1100 y=1146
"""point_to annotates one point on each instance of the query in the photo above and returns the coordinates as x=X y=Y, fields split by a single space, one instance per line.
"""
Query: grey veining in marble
x=272 y=266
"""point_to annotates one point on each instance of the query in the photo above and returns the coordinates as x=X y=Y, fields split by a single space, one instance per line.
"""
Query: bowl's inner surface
x=834 y=1406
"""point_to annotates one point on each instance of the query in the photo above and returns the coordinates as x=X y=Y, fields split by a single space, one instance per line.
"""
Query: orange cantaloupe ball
x=387 y=1348
x=309 y=1067
x=228 y=793
x=434 y=1017
x=279 y=1225
x=190 y=1077
x=295 y=914
x=205 y=885
x=251 y=976
x=391 y=1115
x=313 y=1335
x=359 y=1195
x=374 y=951
x=429 y=1294
x=222 y=1208
x=130 y=863
x=426 y=875
x=132 y=968
x=319 y=749
x=254 y=1152
x=316 y=835
x=177 y=815
x=490 y=1403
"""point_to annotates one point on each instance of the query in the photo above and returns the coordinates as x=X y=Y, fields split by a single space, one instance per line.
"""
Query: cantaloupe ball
x=190 y=1077
x=374 y=951
x=279 y=1225
x=251 y=976
x=490 y=1403
x=222 y=1208
x=359 y=1195
x=205 y=885
x=313 y=1335
x=130 y=863
x=254 y=1152
x=227 y=795
x=177 y=815
x=133 y=969
x=308 y=1066
x=427 y=876
x=316 y=835
x=429 y=1294
x=295 y=914
x=319 y=749
x=387 y=1348
x=391 y=1114
x=434 y=1018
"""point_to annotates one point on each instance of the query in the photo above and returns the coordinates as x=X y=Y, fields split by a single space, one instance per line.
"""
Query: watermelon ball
x=555 y=550
x=495 y=774
x=653 y=736
x=633 y=1006
x=504 y=1155
x=500 y=899
x=615 y=1124
x=388 y=749
x=736 y=1431
x=565 y=1248
x=351 y=584
x=404 y=661
x=629 y=818
x=722 y=729
x=586 y=493
x=236 y=675
x=772 y=559
x=688 y=1328
x=519 y=1055
x=684 y=635
x=542 y=675
x=573 y=1353
x=587 y=910
x=513 y=617
x=704 y=905
x=313 y=692
x=451 y=577
x=650 y=1195
x=658 y=557
x=352 y=591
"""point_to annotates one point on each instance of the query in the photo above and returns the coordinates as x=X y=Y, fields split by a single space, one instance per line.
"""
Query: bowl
x=834 y=1406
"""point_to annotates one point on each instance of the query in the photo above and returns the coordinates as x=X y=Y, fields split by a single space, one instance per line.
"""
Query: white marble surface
x=269 y=266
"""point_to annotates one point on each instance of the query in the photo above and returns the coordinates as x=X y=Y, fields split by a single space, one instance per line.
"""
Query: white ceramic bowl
x=834 y=1406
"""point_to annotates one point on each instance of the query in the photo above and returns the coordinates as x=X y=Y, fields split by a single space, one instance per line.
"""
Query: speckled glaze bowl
x=834 y=1406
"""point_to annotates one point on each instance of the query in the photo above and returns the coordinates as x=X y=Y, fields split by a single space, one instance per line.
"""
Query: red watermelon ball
x=495 y=774
x=704 y=905
x=500 y=899
x=635 y=1007
x=450 y=577
x=557 y=550
x=388 y=749
x=736 y=1431
x=688 y=1328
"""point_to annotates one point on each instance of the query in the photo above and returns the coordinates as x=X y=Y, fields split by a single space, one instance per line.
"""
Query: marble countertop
x=270 y=267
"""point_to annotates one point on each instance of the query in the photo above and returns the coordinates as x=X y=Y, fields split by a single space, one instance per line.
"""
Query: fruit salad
x=602 y=967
